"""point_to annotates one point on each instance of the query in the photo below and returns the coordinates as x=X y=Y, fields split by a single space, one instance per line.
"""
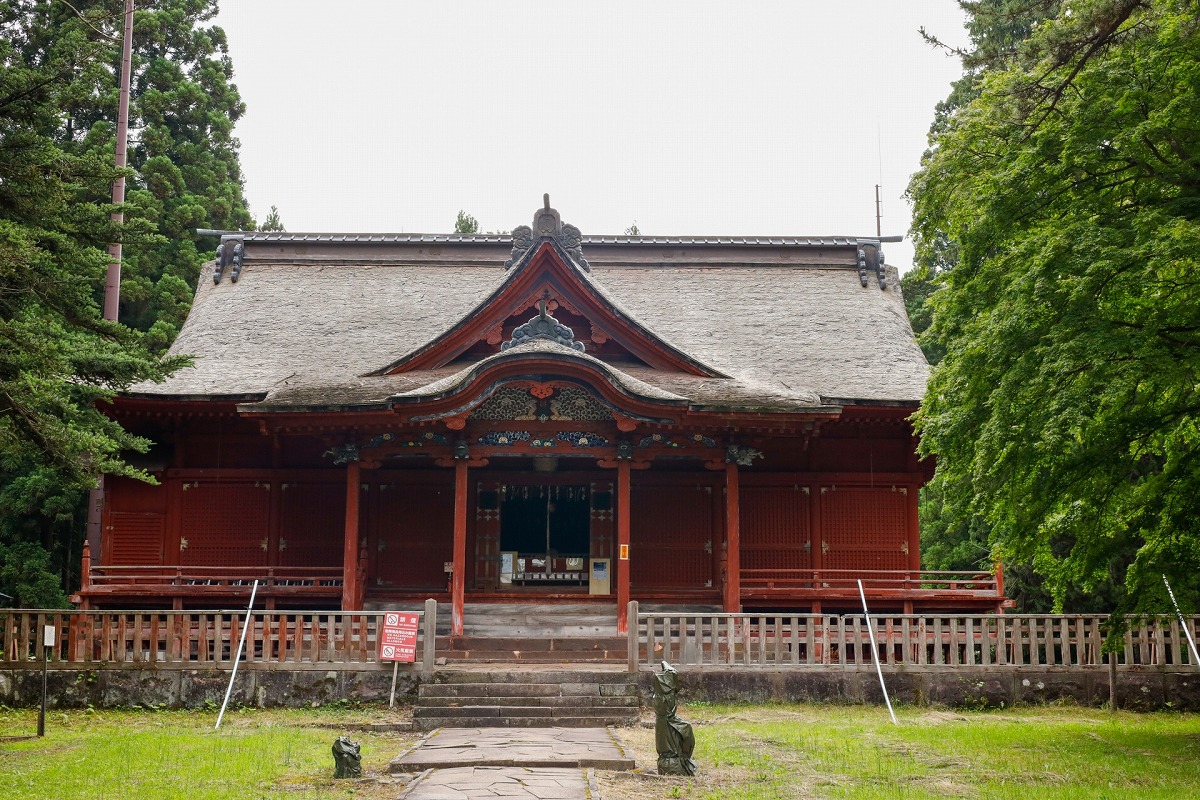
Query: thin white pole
x=1187 y=631
x=237 y=656
x=875 y=653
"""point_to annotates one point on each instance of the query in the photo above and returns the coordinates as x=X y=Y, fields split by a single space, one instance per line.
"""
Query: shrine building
x=540 y=418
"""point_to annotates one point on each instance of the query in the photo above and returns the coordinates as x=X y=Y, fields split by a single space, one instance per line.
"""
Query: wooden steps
x=535 y=699
x=541 y=650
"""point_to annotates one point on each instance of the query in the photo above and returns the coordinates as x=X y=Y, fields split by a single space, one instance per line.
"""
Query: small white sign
x=48 y=636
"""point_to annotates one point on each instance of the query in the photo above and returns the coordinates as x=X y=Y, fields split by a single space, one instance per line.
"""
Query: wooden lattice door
x=671 y=538
x=487 y=535
x=864 y=528
x=224 y=524
x=775 y=527
x=414 y=532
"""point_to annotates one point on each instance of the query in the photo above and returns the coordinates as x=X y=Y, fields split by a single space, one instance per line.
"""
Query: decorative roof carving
x=231 y=251
x=880 y=271
x=543 y=404
x=543 y=326
x=547 y=224
x=742 y=456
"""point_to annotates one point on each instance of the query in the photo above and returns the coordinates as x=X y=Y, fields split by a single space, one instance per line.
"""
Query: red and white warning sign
x=398 y=638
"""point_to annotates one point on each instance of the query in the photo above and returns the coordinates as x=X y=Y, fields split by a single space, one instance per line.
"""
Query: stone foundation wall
x=193 y=688
x=1139 y=688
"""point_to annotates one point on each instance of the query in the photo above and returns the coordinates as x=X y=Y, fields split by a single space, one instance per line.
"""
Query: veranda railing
x=201 y=638
x=989 y=640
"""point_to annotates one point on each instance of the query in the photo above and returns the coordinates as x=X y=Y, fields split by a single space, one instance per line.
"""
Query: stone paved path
x=515 y=747
x=516 y=783
x=522 y=763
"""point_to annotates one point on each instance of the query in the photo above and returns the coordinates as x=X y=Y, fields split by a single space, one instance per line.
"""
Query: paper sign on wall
x=398 y=637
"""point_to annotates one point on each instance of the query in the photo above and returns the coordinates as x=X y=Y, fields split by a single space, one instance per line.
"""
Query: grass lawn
x=759 y=752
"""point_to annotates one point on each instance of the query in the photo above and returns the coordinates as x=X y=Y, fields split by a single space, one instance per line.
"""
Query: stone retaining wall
x=1140 y=688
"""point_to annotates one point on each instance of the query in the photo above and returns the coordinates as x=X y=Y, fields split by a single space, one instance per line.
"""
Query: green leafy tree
x=466 y=223
x=633 y=230
x=58 y=358
x=272 y=222
x=182 y=153
x=1064 y=412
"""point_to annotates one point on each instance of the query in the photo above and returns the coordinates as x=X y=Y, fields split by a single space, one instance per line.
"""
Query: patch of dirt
x=939 y=718
x=369 y=787
x=644 y=782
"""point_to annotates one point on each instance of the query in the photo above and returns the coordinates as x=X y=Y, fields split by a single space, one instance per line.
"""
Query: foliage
x=1064 y=413
x=272 y=222
x=633 y=230
x=466 y=223
x=177 y=754
x=745 y=751
x=58 y=358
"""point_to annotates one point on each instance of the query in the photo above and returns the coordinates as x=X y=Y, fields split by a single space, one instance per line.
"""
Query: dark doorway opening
x=546 y=520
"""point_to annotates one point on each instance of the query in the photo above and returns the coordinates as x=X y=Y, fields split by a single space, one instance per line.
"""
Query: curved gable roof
x=314 y=322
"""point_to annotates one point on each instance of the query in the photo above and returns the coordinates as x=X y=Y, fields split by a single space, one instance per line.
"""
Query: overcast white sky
x=695 y=117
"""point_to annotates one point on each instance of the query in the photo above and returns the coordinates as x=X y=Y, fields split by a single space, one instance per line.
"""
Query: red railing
x=923 y=640
x=878 y=583
x=197 y=638
x=181 y=581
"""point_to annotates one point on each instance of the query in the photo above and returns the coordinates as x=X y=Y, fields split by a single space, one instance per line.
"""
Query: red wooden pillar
x=816 y=538
x=733 y=546
x=458 y=578
x=914 y=528
x=350 y=572
x=623 y=547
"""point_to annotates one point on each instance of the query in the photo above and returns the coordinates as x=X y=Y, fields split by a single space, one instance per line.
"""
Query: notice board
x=398 y=637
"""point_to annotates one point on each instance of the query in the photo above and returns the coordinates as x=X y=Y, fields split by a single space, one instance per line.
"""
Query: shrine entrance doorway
x=542 y=535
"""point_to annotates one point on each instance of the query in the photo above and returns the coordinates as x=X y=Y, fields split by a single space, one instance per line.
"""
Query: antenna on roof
x=878 y=214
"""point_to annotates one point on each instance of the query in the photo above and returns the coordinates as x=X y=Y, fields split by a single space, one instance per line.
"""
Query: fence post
x=631 y=637
x=429 y=648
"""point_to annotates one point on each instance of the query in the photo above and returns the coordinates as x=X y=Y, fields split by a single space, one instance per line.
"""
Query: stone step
x=528 y=644
x=544 y=675
x=517 y=657
x=562 y=689
x=433 y=723
x=545 y=712
x=623 y=701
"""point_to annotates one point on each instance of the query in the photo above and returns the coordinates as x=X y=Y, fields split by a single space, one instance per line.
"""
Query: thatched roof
x=313 y=316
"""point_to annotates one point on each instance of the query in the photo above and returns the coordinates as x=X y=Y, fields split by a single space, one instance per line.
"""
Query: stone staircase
x=527 y=699
x=528 y=633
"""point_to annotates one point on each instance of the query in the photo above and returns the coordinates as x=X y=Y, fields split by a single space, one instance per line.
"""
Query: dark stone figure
x=346 y=758
x=672 y=736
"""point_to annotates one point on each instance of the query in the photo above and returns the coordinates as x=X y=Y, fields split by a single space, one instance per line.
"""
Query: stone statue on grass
x=672 y=736
x=346 y=758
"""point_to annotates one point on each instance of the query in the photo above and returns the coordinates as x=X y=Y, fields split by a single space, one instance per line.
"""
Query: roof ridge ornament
x=547 y=224
x=543 y=326
x=231 y=250
x=880 y=272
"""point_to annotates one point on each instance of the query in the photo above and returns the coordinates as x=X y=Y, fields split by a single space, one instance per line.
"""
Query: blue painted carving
x=583 y=438
x=504 y=438
x=343 y=453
